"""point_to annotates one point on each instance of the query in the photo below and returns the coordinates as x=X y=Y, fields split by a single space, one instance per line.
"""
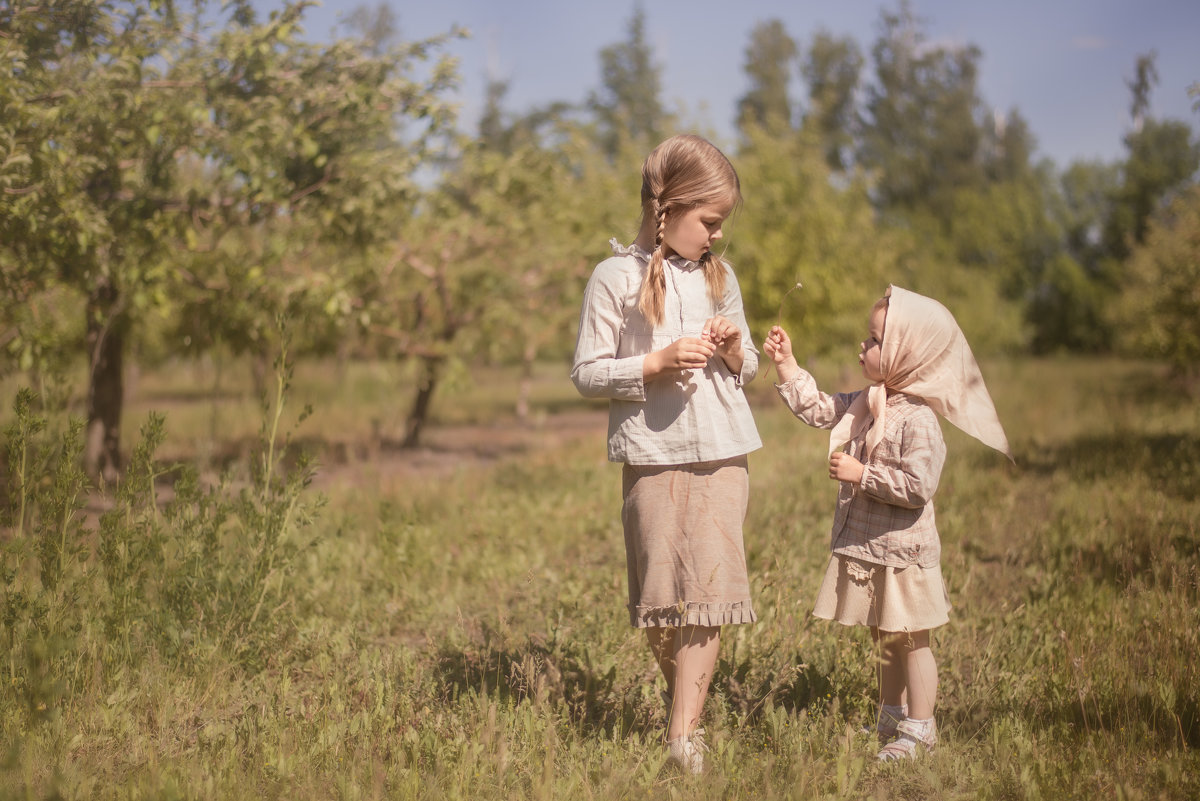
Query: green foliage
x=833 y=70
x=171 y=572
x=1067 y=301
x=40 y=562
x=1004 y=230
x=158 y=167
x=770 y=57
x=1159 y=309
x=174 y=177
x=628 y=107
x=798 y=225
x=1163 y=160
x=571 y=202
x=922 y=134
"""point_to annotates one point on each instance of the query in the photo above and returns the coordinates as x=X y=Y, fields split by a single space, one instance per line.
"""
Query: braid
x=654 y=289
x=714 y=275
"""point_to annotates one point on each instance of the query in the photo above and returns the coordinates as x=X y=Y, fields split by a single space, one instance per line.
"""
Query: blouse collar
x=640 y=253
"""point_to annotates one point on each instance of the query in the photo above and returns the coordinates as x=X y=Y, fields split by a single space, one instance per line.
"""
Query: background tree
x=94 y=124
x=1162 y=160
x=921 y=133
x=1001 y=232
x=1158 y=315
x=493 y=132
x=832 y=68
x=1008 y=147
x=1066 y=302
x=628 y=105
x=315 y=153
x=1145 y=76
x=770 y=57
x=133 y=131
x=524 y=213
x=797 y=225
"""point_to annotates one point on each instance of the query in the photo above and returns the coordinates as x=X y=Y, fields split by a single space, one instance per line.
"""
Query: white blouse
x=699 y=416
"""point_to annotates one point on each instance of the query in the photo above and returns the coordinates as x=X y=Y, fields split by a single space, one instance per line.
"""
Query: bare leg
x=920 y=681
x=921 y=673
x=662 y=646
x=892 y=665
x=696 y=649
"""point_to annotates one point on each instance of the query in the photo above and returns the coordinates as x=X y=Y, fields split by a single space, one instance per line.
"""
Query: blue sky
x=1063 y=64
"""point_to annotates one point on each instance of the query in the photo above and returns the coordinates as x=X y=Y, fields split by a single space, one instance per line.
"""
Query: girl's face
x=868 y=356
x=692 y=232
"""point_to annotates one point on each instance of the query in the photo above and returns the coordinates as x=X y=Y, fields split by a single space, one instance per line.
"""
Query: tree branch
x=316 y=187
x=164 y=84
x=407 y=346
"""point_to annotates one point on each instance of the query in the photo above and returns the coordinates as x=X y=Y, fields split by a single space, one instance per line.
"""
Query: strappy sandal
x=912 y=737
x=687 y=752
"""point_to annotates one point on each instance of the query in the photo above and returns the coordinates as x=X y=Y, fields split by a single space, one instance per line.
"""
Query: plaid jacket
x=888 y=517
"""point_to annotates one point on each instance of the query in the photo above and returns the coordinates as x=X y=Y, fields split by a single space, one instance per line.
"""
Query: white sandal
x=911 y=735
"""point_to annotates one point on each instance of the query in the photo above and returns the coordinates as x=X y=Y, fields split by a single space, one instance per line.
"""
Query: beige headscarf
x=924 y=353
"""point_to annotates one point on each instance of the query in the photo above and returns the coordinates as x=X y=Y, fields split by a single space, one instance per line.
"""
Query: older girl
x=662 y=335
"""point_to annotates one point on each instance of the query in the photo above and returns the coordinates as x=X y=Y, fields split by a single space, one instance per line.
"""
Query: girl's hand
x=778 y=346
x=727 y=338
x=686 y=353
x=844 y=467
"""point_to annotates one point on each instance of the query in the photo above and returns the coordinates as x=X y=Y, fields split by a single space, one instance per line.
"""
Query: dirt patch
x=447 y=450
x=450 y=449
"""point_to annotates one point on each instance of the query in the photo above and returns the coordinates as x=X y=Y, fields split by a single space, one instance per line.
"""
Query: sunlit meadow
x=450 y=625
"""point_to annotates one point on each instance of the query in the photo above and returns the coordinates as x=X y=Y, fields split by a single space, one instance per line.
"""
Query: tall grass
x=462 y=635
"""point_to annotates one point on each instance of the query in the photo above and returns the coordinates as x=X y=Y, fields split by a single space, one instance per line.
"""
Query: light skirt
x=858 y=593
x=683 y=543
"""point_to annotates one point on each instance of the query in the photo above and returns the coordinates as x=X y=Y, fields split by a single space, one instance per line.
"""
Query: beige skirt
x=683 y=543
x=858 y=593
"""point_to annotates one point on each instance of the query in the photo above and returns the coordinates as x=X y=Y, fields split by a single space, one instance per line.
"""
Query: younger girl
x=884 y=572
x=662 y=335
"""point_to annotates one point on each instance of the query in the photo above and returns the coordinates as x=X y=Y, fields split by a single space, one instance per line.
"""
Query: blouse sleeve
x=598 y=372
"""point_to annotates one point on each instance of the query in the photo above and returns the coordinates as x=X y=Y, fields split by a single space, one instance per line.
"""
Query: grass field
x=450 y=624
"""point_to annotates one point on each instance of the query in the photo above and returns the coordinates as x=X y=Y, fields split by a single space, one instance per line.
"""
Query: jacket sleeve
x=810 y=404
x=914 y=480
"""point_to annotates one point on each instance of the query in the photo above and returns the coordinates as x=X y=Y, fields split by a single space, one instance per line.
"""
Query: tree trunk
x=525 y=388
x=417 y=417
x=106 y=392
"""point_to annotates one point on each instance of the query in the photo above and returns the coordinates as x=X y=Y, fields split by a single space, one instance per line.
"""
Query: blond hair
x=682 y=173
